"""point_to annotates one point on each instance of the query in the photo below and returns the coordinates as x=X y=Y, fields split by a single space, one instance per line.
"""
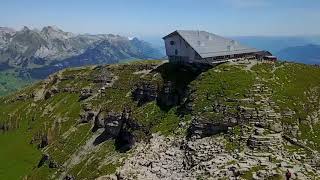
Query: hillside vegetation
x=151 y=119
x=10 y=82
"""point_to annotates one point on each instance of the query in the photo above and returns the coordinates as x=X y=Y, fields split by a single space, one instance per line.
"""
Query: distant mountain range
x=298 y=49
x=39 y=53
x=275 y=44
x=309 y=54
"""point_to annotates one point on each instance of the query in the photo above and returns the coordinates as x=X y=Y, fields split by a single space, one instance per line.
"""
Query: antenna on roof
x=198 y=30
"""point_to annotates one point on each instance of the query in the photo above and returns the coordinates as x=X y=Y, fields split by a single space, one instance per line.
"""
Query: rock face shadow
x=117 y=126
x=123 y=141
x=104 y=136
x=177 y=78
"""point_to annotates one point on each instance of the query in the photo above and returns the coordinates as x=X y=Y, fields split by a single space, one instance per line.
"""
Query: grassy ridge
x=57 y=115
x=293 y=85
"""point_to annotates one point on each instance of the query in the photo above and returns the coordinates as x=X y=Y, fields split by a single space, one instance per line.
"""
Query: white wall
x=183 y=48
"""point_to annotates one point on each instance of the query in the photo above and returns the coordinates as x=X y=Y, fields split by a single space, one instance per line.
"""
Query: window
x=176 y=52
x=171 y=43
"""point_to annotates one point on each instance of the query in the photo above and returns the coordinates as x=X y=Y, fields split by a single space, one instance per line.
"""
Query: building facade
x=178 y=49
x=204 y=47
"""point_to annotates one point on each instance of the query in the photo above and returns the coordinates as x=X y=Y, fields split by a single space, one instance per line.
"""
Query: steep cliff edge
x=153 y=120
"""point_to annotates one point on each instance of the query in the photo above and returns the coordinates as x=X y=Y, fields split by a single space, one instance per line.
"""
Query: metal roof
x=210 y=45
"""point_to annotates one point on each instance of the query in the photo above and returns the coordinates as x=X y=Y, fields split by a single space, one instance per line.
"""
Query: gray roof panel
x=211 y=45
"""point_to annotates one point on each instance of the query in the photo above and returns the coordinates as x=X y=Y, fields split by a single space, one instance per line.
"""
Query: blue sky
x=158 y=17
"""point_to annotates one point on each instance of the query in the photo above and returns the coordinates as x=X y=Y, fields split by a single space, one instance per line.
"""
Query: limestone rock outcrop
x=144 y=92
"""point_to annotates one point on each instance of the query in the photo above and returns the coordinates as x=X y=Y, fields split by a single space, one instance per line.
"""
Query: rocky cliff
x=155 y=120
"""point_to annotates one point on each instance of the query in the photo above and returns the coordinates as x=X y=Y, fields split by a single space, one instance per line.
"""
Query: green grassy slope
x=295 y=86
x=18 y=157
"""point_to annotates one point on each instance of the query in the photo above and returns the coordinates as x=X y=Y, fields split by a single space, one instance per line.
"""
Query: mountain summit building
x=204 y=47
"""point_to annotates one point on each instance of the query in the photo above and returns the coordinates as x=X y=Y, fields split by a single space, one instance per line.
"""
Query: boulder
x=105 y=77
x=44 y=141
x=113 y=124
x=99 y=121
x=259 y=131
x=276 y=127
x=200 y=129
x=87 y=116
x=49 y=93
x=69 y=177
x=85 y=93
